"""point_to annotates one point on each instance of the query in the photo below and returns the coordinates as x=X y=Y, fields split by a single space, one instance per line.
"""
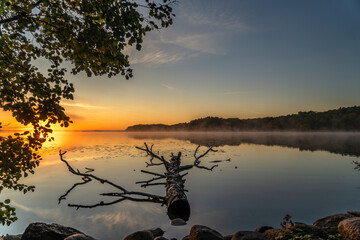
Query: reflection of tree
x=339 y=143
x=178 y=208
x=17 y=159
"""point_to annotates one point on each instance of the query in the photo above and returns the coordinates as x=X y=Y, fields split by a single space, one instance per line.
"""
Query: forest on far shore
x=342 y=119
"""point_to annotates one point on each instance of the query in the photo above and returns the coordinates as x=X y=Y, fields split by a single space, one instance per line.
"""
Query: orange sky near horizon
x=109 y=119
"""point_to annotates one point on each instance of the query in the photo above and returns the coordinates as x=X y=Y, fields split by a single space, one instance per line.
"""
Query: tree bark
x=176 y=200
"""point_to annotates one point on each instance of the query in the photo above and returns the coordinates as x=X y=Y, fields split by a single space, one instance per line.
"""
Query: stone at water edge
x=11 y=237
x=314 y=231
x=199 y=232
x=248 y=235
x=330 y=223
x=158 y=232
x=43 y=231
x=272 y=234
x=262 y=229
x=160 y=238
x=350 y=228
x=79 y=237
x=354 y=213
x=178 y=222
x=148 y=234
x=140 y=235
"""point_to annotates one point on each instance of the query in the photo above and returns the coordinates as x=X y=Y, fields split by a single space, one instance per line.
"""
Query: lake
x=306 y=175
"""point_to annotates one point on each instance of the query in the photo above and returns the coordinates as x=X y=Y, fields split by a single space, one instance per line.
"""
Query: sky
x=230 y=58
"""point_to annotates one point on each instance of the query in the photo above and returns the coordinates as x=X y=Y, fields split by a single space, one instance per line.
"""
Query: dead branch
x=156 y=174
x=217 y=161
x=197 y=158
x=123 y=194
x=63 y=197
x=150 y=153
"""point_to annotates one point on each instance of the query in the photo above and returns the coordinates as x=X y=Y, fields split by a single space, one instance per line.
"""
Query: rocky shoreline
x=345 y=226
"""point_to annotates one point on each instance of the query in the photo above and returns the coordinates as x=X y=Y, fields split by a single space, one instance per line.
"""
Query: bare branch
x=123 y=194
x=63 y=197
x=151 y=184
x=89 y=175
x=197 y=158
x=186 y=167
x=150 y=152
x=153 y=164
x=210 y=169
x=153 y=173
x=149 y=181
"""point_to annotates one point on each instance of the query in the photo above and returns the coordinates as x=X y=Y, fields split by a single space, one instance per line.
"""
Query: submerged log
x=177 y=204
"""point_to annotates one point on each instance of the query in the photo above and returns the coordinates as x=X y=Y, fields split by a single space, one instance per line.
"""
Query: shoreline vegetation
x=341 y=119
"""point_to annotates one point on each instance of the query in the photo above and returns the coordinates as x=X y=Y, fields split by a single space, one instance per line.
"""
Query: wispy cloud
x=81 y=105
x=220 y=21
x=199 y=30
x=201 y=42
x=168 y=87
x=158 y=57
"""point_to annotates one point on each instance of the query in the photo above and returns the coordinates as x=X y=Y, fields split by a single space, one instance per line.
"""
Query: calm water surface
x=270 y=174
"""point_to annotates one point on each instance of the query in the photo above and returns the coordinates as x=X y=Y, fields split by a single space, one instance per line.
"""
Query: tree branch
x=197 y=158
x=22 y=14
x=150 y=153
x=123 y=194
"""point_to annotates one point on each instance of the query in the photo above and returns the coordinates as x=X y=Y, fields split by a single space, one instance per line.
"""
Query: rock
x=350 y=228
x=160 y=238
x=314 y=231
x=12 y=237
x=354 y=213
x=148 y=234
x=262 y=229
x=186 y=237
x=330 y=224
x=79 y=236
x=228 y=237
x=43 y=231
x=140 y=235
x=272 y=234
x=157 y=232
x=199 y=232
x=248 y=235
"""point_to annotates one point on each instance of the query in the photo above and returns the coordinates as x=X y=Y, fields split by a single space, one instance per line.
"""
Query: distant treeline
x=347 y=119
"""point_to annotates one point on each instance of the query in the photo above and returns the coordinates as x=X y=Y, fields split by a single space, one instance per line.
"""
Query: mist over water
x=306 y=175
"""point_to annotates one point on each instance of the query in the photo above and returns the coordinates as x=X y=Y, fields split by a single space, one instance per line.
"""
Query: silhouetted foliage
x=90 y=36
x=347 y=119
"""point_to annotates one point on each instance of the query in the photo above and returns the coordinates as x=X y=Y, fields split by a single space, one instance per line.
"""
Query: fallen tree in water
x=178 y=208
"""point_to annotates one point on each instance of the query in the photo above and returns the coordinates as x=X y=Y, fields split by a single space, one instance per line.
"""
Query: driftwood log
x=178 y=208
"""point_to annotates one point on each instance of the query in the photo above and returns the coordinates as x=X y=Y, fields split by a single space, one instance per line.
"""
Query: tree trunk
x=176 y=200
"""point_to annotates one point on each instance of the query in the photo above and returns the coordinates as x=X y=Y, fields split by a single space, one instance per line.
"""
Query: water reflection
x=258 y=187
x=172 y=177
x=344 y=143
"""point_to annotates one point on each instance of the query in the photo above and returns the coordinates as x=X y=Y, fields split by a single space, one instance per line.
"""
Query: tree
x=91 y=35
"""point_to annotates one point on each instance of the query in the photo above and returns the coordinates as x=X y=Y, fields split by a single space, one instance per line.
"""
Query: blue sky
x=232 y=58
